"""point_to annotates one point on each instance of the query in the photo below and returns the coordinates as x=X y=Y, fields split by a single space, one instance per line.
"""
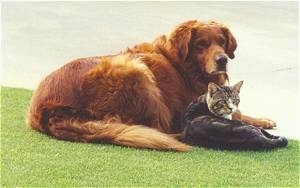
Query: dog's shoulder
x=141 y=48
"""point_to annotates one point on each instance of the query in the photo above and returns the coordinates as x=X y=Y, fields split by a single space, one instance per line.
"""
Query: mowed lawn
x=29 y=158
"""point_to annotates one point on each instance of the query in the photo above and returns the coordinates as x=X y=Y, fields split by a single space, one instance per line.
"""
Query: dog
x=136 y=98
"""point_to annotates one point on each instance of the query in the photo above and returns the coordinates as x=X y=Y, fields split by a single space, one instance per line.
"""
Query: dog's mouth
x=224 y=69
x=215 y=70
x=219 y=77
x=218 y=68
x=218 y=72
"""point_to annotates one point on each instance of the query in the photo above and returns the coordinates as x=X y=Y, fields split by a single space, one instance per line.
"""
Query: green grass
x=29 y=158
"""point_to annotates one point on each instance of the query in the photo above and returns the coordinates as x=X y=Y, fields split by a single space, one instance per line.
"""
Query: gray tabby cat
x=223 y=101
x=207 y=123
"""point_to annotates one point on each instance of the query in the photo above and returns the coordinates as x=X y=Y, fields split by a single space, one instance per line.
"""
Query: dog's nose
x=221 y=60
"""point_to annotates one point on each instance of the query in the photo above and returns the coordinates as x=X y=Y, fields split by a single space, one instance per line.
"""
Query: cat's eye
x=236 y=101
x=221 y=103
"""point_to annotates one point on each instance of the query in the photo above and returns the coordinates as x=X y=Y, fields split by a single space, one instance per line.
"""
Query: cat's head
x=223 y=101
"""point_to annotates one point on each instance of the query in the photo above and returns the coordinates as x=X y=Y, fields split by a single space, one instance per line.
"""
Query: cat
x=208 y=123
x=223 y=101
x=219 y=101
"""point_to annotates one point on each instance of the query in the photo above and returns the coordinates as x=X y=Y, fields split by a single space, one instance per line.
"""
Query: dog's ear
x=178 y=41
x=231 y=42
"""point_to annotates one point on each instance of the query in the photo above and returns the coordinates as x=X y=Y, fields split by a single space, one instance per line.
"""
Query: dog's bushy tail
x=113 y=131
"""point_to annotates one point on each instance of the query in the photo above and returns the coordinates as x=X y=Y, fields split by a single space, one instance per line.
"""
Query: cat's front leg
x=257 y=122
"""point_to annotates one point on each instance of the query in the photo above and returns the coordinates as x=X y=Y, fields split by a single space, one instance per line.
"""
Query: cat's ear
x=212 y=88
x=237 y=86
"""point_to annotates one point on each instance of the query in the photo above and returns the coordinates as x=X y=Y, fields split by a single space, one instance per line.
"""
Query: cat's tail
x=113 y=131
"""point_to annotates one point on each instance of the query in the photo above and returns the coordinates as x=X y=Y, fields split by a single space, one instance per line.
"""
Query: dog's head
x=201 y=47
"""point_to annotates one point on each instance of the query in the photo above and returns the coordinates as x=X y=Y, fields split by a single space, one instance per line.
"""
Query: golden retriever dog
x=136 y=98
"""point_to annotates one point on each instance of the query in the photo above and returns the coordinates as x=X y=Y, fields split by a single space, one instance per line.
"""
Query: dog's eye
x=202 y=43
x=222 y=41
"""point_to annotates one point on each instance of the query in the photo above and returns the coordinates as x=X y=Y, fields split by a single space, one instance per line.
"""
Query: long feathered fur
x=122 y=85
x=136 y=98
x=114 y=132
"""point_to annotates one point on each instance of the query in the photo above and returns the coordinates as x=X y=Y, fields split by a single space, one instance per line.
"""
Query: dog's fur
x=136 y=98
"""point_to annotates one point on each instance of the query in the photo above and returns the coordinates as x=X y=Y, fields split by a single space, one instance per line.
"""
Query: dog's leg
x=257 y=122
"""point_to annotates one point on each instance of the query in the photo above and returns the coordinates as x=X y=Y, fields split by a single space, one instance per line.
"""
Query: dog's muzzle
x=221 y=61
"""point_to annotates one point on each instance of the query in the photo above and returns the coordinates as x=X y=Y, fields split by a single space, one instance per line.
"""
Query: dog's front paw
x=265 y=123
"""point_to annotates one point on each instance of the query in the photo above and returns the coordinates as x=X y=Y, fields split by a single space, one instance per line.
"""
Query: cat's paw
x=265 y=123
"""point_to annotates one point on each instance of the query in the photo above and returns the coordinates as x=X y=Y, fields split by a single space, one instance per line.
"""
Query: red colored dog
x=136 y=98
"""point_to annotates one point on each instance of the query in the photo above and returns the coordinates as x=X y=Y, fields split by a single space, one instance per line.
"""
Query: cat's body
x=208 y=123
